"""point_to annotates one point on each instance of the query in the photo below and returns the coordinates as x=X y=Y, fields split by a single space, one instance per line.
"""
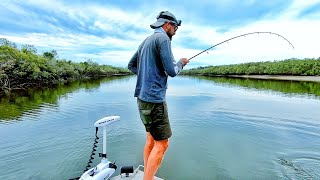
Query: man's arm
x=132 y=65
x=171 y=67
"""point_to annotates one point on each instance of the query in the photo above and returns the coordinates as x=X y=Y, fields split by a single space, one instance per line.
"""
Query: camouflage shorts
x=155 y=119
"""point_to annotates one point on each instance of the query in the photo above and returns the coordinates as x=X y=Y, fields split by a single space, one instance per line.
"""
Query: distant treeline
x=21 y=68
x=295 y=67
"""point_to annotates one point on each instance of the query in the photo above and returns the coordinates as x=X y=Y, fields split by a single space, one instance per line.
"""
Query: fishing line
x=271 y=33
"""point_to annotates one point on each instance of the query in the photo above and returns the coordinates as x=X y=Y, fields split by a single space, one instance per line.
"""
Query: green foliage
x=5 y=42
x=27 y=48
x=307 y=67
x=23 y=68
x=51 y=54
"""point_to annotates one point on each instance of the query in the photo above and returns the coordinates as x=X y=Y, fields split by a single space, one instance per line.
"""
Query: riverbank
x=279 y=77
x=290 y=67
x=23 y=68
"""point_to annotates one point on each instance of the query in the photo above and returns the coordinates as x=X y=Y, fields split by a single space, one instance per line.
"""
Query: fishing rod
x=272 y=33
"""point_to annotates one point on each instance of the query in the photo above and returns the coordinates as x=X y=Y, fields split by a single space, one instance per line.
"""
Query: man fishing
x=153 y=62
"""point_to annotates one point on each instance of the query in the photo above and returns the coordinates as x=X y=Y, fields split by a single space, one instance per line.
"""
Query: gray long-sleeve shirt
x=152 y=63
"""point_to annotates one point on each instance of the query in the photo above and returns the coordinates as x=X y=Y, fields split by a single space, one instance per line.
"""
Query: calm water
x=222 y=129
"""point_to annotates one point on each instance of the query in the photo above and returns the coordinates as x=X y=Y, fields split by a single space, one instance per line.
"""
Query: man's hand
x=184 y=61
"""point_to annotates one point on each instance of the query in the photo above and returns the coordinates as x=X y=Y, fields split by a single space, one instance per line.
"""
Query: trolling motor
x=105 y=168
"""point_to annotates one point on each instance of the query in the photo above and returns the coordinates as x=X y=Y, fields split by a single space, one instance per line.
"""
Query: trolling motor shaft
x=104 y=122
x=105 y=168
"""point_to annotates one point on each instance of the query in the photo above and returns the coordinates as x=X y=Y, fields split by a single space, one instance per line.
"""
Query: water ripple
x=303 y=165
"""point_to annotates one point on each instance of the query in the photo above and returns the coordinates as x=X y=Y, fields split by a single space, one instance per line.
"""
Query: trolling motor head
x=106 y=121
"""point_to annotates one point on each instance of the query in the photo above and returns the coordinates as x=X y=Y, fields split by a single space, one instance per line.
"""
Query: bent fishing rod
x=272 y=33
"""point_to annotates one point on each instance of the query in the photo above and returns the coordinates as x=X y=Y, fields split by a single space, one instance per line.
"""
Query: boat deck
x=136 y=175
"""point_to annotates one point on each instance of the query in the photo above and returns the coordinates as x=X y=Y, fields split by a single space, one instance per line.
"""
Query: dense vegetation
x=23 y=68
x=307 y=67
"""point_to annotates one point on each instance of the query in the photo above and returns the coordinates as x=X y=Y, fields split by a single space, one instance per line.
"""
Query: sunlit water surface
x=222 y=129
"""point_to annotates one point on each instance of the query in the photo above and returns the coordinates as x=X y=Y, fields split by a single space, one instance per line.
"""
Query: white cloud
x=296 y=7
x=301 y=32
x=121 y=25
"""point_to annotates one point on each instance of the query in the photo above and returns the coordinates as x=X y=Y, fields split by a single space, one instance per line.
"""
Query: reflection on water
x=287 y=87
x=19 y=103
x=223 y=128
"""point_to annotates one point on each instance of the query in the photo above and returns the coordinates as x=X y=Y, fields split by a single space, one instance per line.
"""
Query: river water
x=223 y=128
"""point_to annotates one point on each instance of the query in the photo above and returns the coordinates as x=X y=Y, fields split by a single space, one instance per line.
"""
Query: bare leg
x=155 y=158
x=147 y=149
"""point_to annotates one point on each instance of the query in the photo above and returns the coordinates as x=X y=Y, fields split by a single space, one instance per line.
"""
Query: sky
x=110 y=31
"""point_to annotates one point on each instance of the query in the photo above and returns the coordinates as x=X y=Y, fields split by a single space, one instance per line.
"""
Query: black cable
x=92 y=154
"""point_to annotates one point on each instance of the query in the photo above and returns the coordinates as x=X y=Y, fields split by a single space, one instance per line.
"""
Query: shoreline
x=278 y=77
x=23 y=87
